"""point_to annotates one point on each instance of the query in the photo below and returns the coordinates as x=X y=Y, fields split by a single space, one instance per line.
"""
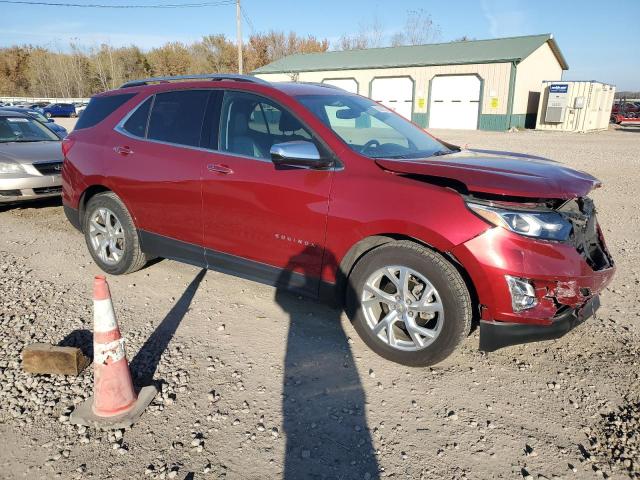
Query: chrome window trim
x=119 y=127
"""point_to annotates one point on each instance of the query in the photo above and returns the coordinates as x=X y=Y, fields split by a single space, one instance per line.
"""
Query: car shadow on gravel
x=30 y=204
x=144 y=364
x=323 y=401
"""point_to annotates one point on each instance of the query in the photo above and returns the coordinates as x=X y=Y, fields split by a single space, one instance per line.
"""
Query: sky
x=598 y=38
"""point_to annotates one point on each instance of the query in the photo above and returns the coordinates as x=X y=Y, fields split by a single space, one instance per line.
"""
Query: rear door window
x=100 y=108
x=176 y=117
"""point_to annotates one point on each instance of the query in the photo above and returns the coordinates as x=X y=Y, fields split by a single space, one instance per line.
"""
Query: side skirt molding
x=165 y=247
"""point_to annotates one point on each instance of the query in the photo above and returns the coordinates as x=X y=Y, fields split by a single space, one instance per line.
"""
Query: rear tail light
x=67 y=143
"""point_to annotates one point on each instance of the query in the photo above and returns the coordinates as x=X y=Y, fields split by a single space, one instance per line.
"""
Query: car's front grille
x=49 y=168
x=45 y=190
x=586 y=235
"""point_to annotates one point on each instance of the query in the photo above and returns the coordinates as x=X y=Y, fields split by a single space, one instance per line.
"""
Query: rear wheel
x=409 y=304
x=111 y=235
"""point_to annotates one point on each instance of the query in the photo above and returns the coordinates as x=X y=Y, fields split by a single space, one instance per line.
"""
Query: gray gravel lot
x=257 y=385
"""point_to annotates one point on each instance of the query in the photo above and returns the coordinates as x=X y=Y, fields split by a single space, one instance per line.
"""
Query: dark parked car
x=47 y=122
x=331 y=194
x=59 y=110
x=39 y=104
x=30 y=159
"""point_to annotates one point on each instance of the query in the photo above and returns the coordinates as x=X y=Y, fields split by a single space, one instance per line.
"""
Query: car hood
x=500 y=173
x=30 y=152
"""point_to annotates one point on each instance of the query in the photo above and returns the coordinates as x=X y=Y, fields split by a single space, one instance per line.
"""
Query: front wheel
x=48 y=114
x=111 y=235
x=409 y=304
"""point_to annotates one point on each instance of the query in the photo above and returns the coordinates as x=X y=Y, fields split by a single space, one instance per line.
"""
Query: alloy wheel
x=402 y=307
x=107 y=236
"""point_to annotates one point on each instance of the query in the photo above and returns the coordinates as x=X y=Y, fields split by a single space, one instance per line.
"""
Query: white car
x=80 y=108
x=30 y=159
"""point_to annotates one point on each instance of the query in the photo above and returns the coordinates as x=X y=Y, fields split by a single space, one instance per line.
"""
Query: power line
x=247 y=19
x=100 y=5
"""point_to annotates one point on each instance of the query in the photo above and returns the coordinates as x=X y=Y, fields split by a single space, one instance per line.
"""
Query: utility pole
x=239 y=35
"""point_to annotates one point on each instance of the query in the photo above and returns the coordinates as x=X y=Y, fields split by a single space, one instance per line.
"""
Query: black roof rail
x=206 y=76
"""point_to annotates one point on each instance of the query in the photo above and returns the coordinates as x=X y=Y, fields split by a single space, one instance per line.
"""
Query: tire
x=128 y=242
x=449 y=326
x=48 y=114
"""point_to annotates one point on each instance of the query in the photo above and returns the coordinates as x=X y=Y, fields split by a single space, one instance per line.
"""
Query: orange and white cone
x=112 y=384
x=115 y=402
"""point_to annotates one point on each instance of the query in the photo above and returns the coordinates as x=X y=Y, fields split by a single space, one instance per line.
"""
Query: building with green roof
x=481 y=84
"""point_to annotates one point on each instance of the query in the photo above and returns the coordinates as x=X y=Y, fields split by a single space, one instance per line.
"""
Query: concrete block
x=52 y=359
x=83 y=414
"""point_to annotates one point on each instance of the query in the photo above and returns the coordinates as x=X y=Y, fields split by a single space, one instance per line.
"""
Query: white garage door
x=394 y=93
x=455 y=102
x=348 y=84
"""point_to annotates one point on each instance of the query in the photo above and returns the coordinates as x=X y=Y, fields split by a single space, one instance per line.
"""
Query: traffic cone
x=115 y=403
x=112 y=383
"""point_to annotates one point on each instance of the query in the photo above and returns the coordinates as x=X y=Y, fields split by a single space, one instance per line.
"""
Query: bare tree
x=171 y=59
x=397 y=39
x=266 y=48
x=369 y=35
x=39 y=73
x=419 y=29
x=214 y=53
x=101 y=66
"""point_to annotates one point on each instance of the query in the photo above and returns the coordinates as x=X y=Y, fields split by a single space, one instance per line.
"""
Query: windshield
x=371 y=129
x=21 y=129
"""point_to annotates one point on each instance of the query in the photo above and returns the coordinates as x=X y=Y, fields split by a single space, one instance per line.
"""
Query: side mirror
x=298 y=154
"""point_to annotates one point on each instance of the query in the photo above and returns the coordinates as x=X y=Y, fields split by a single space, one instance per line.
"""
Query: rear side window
x=177 y=117
x=100 y=108
x=137 y=122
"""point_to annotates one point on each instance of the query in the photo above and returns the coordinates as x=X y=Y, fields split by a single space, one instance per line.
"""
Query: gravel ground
x=256 y=384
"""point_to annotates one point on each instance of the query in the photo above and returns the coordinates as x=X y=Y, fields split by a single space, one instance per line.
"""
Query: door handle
x=123 y=150
x=219 y=168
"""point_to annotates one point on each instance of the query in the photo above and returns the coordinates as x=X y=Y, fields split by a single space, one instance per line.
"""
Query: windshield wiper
x=395 y=156
x=417 y=156
x=448 y=151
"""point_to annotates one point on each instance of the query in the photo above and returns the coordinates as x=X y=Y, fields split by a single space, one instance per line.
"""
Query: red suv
x=326 y=193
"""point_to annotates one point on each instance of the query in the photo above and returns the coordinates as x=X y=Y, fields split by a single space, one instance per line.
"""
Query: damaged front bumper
x=566 y=284
x=495 y=335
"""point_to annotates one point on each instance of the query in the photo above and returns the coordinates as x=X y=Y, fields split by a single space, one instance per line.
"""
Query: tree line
x=78 y=71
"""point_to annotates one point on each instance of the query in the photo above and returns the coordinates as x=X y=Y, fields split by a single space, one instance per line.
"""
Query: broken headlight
x=547 y=225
